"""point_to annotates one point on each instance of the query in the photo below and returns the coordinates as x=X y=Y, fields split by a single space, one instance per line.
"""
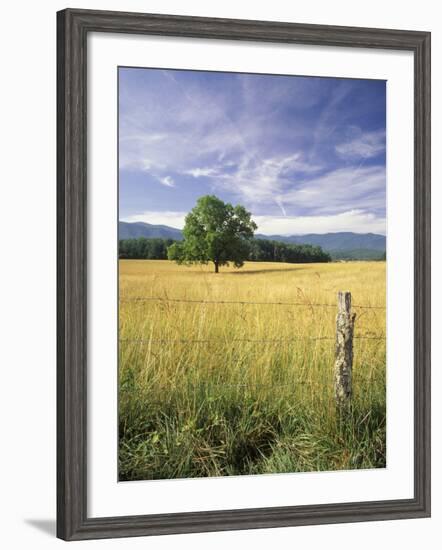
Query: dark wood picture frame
x=73 y=27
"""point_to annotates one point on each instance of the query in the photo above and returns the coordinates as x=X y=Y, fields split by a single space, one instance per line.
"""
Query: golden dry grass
x=227 y=388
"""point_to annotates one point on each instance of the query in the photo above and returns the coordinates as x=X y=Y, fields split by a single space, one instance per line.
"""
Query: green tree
x=216 y=232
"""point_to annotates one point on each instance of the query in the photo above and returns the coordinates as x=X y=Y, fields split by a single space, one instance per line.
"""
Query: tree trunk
x=216 y=267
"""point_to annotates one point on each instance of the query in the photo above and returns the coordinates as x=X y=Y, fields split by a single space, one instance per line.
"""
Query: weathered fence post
x=344 y=351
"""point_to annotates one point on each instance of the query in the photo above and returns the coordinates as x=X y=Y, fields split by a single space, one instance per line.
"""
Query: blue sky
x=303 y=154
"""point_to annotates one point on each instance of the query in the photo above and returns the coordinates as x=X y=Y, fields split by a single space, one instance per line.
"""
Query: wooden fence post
x=344 y=352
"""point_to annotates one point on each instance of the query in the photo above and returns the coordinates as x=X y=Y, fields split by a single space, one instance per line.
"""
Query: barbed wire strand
x=238 y=341
x=142 y=299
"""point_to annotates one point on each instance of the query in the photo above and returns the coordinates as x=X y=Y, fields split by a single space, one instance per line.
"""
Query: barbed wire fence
x=239 y=302
x=343 y=338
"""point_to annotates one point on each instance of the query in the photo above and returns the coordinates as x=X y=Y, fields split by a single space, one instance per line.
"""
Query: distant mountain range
x=342 y=245
x=140 y=229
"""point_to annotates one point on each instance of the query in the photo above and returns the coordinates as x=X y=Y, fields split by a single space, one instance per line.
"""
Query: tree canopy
x=216 y=232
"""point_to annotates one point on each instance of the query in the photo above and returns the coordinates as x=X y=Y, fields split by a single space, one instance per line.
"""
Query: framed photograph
x=243 y=274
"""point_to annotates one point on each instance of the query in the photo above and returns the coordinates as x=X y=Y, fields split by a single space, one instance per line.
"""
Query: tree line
x=263 y=250
x=260 y=250
x=144 y=248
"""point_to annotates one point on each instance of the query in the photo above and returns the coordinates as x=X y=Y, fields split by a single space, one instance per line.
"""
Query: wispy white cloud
x=202 y=172
x=364 y=146
x=256 y=179
x=167 y=181
x=134 y=148
x=289 y=182
x=329 y=119
x=361 y=187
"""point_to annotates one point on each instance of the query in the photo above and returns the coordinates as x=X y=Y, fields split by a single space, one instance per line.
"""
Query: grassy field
x=210 y=389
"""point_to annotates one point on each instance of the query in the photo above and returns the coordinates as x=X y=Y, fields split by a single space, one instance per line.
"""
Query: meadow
x=215 y=389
